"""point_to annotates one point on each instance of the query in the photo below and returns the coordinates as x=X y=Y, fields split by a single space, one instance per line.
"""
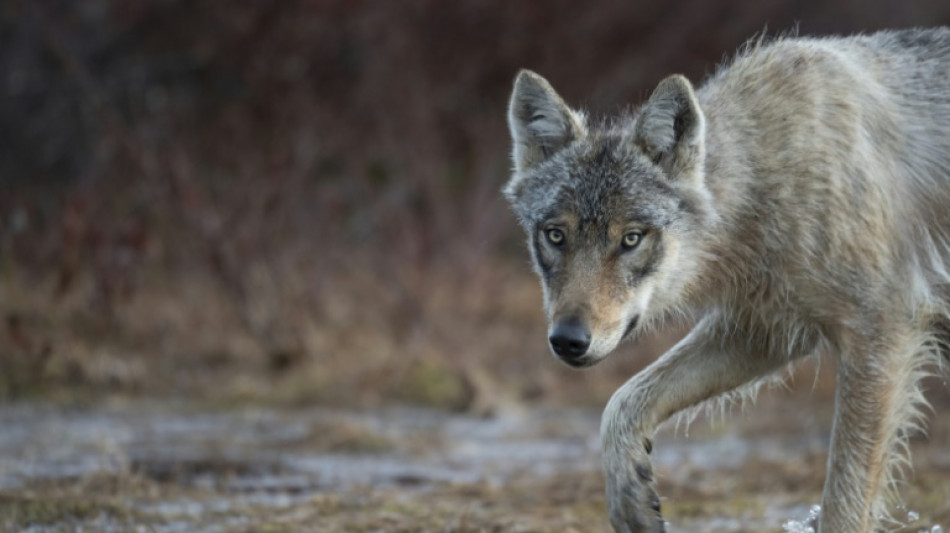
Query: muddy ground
x=160 y=467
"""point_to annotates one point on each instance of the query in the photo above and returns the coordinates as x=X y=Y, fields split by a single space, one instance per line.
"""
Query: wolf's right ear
x=539 y=120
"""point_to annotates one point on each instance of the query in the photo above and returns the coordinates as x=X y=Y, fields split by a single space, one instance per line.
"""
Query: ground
x=164 y=467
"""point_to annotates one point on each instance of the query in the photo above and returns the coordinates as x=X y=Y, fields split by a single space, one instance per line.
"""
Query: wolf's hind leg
x=717 y=356
x=877 y=404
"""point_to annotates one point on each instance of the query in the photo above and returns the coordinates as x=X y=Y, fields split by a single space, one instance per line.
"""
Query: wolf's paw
x=633 y=505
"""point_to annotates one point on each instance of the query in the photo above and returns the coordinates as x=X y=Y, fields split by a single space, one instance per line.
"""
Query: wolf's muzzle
x=570 y=339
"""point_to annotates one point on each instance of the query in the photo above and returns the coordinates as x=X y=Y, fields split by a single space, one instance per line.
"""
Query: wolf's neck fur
x=739 y=237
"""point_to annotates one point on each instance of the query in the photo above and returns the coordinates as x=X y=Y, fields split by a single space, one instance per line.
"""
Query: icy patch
x=809 y=524
x=805 y=526
x=914 y=516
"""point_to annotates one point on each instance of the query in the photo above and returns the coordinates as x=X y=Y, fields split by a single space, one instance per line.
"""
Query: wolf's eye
x=631 y=239
x=555 y=236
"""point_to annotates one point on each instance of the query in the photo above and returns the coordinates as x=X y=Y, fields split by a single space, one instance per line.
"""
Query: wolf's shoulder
x=921 y=42
x=918 y=41
x=793 y=68
x=761 y=53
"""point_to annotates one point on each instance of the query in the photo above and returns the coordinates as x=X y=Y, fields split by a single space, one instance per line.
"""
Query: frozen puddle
x=251 y=448
x=261 y=450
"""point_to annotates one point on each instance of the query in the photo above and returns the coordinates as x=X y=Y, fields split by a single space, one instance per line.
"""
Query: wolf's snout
x=570 y=338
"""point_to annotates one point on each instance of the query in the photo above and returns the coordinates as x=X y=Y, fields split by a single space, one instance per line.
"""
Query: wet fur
x=797 y=203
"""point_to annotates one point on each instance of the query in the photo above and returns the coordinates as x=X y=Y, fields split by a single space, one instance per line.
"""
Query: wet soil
x=167 y=468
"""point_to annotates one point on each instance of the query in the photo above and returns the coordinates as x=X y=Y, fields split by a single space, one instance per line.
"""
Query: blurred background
x=300 y=199
x=296 y=203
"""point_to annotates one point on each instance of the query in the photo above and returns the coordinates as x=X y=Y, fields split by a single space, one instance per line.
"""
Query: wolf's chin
x=582 y=362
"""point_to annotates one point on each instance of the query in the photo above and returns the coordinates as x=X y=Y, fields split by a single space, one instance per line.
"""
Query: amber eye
x=631 y=239
x=555 y=236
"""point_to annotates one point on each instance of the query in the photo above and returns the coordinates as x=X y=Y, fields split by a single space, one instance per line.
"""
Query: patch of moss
x=342 y=436
x=433 y=383
x=710 y=507
x=19 y=512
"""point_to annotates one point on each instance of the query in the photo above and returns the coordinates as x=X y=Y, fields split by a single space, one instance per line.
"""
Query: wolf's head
x=614 y=213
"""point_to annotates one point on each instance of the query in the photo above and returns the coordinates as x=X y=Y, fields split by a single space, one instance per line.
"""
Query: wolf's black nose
x=570 y=338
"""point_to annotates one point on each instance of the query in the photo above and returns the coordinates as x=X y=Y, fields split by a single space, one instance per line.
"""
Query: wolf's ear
x=539 y=120
x=671 y=126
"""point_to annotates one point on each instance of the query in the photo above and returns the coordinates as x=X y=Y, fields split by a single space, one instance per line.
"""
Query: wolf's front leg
x=876 y=399
x=715 y=357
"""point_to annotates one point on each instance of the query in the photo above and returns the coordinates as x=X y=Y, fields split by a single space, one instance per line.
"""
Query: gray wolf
x=796 y=203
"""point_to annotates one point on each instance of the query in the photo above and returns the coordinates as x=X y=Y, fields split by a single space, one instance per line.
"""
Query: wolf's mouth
x=632 y=324
x=582 y=362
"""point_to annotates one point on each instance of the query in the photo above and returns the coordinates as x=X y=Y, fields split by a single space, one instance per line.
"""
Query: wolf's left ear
x=539 y=120
x=671 y=127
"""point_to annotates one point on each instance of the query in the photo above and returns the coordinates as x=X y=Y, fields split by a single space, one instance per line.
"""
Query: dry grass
x=571 y=503
x=359 y=342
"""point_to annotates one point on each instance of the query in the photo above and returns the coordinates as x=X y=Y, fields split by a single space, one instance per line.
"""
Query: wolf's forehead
x=609 y=182
x=624 y=202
